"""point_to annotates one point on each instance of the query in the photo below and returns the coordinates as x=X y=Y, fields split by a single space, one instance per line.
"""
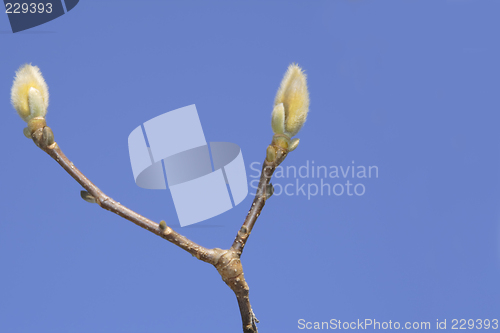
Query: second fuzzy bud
x=291 y=104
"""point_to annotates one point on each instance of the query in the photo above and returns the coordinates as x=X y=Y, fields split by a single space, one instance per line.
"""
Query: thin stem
x=247 y=316
x=258 y=203
x=241 y=290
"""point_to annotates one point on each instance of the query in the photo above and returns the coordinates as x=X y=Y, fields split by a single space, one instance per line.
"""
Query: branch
x=247 y=316
x=229 y=267
x=264 y=192
x=29 y=96
x=162 y=230
x=226 y=262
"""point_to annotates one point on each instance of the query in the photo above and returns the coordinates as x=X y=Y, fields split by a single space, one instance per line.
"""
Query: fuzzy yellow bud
x=29 y=94
x=294 y=96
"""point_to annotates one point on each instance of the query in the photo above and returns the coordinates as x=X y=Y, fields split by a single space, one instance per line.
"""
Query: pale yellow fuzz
x=295 y=98
x=278 y=119
x=27 y=77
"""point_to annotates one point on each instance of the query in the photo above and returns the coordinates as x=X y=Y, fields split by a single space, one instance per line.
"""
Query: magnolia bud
x=36 y=104
x=87 y=197
x=29 y=93
x=163 y=225
x=294 y=96
x=27 y=132
x=269 y=190
x=48 y=136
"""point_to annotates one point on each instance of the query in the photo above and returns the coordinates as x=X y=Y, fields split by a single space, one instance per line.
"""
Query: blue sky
x=410 y=87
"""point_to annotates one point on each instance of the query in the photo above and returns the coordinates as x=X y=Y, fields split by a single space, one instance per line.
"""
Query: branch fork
x=227 y=262
x=29 y=96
